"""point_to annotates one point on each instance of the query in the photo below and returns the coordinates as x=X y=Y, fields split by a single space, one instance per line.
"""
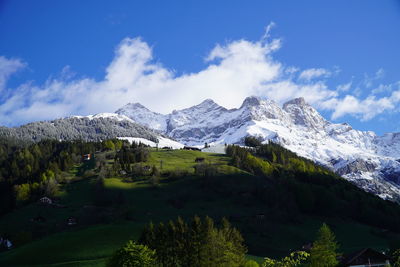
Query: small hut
x=71 y=221
x=364 y=258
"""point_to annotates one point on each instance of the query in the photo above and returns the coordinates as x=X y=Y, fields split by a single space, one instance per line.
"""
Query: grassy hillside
x=133 y=202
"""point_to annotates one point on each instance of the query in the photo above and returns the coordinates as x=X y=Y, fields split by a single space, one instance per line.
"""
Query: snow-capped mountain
x=368 y=160
x=89 y=128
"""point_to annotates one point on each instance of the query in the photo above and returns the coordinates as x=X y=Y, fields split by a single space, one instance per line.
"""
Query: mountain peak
x=251 y=101
x=207 y=102
x=300 y=101
x=134 y=106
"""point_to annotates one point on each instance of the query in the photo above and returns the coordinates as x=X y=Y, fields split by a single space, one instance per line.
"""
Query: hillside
x=86 y=128
x=111 y=212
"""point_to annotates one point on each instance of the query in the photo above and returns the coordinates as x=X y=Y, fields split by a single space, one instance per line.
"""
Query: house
x=71 y=221
x=191 y=148
x=365 y=257
x=86 y=157
x=46 y=200
x=5 y=243
x=198 y=160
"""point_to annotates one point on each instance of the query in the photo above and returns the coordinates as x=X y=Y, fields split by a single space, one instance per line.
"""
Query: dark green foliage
x=133 y=255
x=293 y=185
x=32 y=171
x=129 y=154
x=252 y=141
x=199 y=243
x=396 y=258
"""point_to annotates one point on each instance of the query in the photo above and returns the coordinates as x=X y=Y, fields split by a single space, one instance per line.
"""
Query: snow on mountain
x=144 y=116
x=368 y=160
x=114 y=116
x=162 y=142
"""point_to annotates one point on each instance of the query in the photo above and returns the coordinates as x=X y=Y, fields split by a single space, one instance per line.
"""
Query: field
x=101 y=230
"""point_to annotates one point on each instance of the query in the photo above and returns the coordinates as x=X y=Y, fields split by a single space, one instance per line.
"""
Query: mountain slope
x=370 y=161
x=87 y=128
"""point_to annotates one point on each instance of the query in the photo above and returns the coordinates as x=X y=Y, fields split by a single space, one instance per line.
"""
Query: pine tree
x=323 y=252
x=195 y=237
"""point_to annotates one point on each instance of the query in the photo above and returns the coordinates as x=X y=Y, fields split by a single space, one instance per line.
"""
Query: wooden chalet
x=366 y=257
x=86 y=157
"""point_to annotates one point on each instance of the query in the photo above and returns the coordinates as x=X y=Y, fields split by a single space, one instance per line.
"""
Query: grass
x=89 y=244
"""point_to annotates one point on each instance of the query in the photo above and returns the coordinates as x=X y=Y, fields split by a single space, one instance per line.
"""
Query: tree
x=396 y=258
x=251 y=263
x=252 y=141
x=198 y=244
x=22 y=193
x=133 y=255
x=294 y=259
x=323 y=253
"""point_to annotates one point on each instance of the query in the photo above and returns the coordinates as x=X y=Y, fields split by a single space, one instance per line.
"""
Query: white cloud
x=344 y=87
x=7 y=68
x=365 y=109
x=310 y=74
x=233 y=71
x=369 y=80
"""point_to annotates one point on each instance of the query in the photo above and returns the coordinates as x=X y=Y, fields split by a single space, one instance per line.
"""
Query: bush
x=251 y=263
x=133 y=255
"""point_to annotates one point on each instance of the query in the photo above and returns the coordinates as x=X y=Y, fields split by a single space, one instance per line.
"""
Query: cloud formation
x=310 y=74
x=7 y=68
x=232 y=72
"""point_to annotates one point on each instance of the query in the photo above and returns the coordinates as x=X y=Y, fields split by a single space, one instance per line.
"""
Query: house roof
x=364 y=256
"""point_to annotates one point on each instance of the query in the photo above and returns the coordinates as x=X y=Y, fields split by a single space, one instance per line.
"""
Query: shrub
x=133 y=255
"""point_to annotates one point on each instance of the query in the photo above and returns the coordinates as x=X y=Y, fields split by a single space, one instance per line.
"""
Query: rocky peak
x=304 y=114
x=132 y=106
x=251 y=101
x=205 y=106
x=140 y=114
x=297 y=101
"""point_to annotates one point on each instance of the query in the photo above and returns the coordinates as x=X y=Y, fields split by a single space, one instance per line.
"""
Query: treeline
x=198 y=243
x=203 y=244
x=293 y=185
x=130 y=154
x=30 y=172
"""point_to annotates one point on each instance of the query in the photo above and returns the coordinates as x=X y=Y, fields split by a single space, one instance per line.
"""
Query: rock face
x=368 y=160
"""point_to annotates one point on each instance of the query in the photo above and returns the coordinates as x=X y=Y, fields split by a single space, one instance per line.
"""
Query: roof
x=364 y=256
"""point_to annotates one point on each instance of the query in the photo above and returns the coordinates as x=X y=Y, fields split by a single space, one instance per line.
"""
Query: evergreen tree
x=200 y=244
x=324 y=249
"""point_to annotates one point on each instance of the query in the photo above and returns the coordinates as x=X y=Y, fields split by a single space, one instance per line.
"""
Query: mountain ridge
x=370 y=161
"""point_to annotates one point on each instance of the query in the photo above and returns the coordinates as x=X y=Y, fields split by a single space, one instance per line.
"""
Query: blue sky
x=59 y=58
